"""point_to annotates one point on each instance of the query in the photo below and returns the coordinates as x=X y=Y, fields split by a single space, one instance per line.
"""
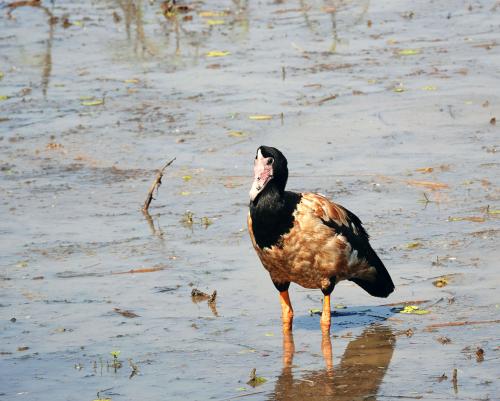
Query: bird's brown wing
x=334 y=215
x=345 y=223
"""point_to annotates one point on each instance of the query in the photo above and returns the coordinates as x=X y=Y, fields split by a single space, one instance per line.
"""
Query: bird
x=307 y=239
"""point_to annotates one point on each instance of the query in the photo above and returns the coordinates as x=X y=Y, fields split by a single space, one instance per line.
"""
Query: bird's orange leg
x=326 y=315
x=286 y=311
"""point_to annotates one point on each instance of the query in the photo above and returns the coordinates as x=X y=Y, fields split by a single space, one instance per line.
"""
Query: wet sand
x=388 y=108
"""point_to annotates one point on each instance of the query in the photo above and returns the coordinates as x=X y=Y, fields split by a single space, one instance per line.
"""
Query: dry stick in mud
x=155 y=185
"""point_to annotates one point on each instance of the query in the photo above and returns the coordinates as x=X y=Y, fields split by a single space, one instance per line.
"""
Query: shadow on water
x=345 y=318
x=357 y=376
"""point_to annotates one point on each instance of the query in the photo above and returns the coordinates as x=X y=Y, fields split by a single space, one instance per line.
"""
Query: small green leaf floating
x=414 y=310
x=409 y=52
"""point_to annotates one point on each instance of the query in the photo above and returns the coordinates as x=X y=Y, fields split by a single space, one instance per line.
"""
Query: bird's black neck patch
x=272 y=215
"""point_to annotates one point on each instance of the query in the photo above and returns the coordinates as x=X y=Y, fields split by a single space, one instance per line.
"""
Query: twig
x=141 y=270
x=242 y=395
x=155 y=185
x=460 y=323
x=326 y=99
x=454 y=380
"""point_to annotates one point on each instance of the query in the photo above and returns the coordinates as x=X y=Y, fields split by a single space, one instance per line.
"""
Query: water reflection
x=51 y=21
x=357 y=377
x=184 y=27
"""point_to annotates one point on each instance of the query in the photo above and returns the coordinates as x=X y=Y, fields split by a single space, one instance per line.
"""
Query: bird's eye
x=270 y=161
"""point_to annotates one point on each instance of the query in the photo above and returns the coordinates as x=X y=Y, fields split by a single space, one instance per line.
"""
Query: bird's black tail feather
x=380 y=283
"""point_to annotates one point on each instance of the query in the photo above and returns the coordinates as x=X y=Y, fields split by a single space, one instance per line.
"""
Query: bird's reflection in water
x=357 y=377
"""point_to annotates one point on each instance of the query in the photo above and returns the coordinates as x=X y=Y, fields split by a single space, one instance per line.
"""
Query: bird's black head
x=270 y=171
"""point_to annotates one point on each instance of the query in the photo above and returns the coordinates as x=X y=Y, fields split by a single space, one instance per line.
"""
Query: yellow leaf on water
x=1 y=75
x=96 y=102
x=186 y=177
x=260 y=117
x=428 y=184
x=429 y=88
x=409 y=52
x=398 y=89
x=208 y=14
x=131 y=81
x=237 y=134
x=269 y=334
x=185 y=193
x=490 y=211
x=3 y=97
x=216 y=22
x=218 y=53
x=414 y=245
x=78 y=23
x=474 y=219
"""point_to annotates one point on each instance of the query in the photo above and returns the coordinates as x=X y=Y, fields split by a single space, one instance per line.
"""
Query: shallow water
x=361 y=95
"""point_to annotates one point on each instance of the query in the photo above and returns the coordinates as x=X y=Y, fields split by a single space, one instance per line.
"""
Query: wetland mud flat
x=389 y=108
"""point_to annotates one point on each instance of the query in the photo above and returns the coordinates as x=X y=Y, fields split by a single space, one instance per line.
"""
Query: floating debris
x=255 y=380
x=441 y=282
x=199 y=296
x=134 y=367
x=480 y=355
x=125 y=313
x=443 y=340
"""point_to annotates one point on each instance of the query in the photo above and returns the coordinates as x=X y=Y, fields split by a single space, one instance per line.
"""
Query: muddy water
x=367 y=100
